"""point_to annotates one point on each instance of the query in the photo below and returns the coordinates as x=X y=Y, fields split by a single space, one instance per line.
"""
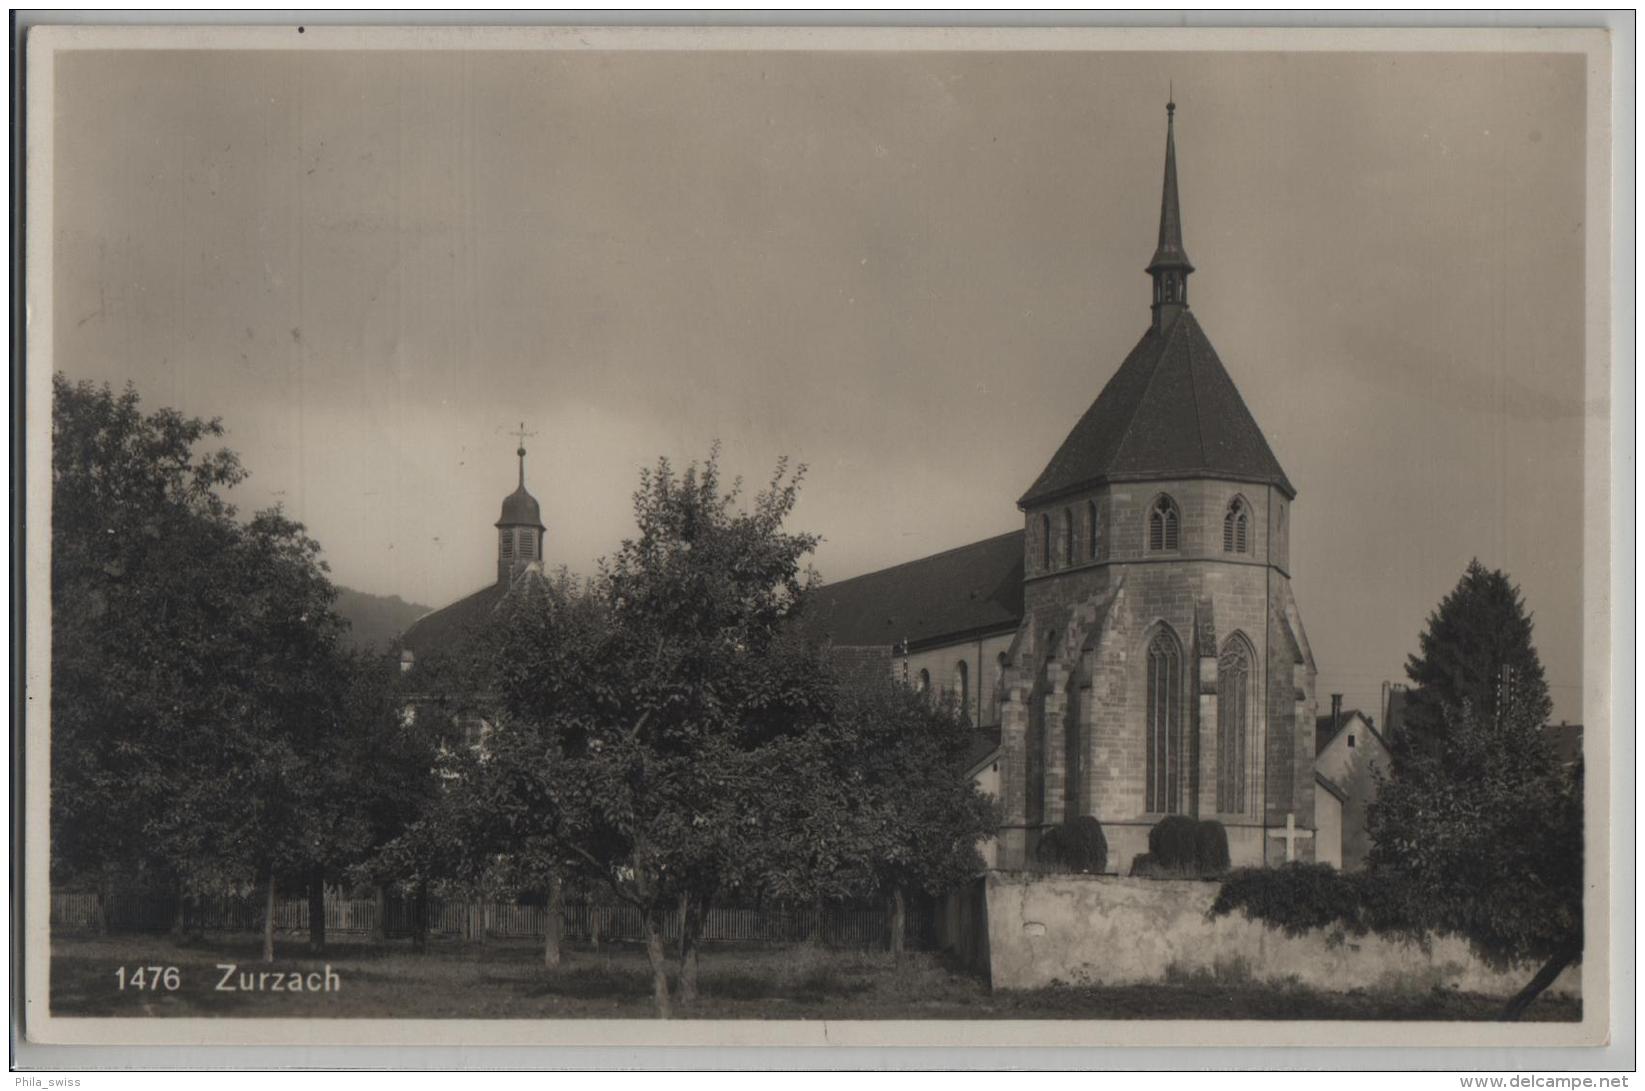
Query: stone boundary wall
x=1079 y=929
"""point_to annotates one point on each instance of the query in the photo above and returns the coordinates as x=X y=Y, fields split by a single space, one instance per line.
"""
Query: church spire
x=1170 y=267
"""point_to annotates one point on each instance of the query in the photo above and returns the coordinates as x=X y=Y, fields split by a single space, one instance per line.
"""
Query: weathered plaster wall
x=1126 y=931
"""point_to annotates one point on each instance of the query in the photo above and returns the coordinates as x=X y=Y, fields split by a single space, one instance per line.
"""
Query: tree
x=1479 y=831
x=634 y=714
x=921 y=815
x=1495 y=855
x=1476 y=650
x=197 y=683
x=138 y=528
x=271 y=782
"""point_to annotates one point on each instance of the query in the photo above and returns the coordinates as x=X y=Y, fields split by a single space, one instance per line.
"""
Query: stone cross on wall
x=1291 y=835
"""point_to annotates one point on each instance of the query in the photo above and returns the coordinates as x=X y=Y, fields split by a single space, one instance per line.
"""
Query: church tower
x=1161 y=666
x=519 y=529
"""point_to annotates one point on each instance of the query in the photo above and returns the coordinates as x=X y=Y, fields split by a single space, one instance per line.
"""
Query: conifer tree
x=1475 y=652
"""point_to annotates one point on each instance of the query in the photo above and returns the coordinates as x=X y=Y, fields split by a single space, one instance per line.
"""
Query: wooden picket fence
x=855 y=926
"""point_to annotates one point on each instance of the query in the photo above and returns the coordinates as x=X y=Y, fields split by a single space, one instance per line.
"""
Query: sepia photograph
x=1058 y=536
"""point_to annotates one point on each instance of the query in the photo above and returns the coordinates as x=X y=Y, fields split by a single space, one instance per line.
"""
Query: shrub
x=1211 y=847
x=1077 y=845
x=1144 y=866
x=1181 y=848
x=1299 y=897
x=1174 y=842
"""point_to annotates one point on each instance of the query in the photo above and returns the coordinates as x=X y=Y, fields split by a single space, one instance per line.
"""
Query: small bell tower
x=520 y=528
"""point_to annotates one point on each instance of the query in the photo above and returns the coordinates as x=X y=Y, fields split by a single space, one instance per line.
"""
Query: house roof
x=1330 y=786
x=974 y=588
x=1323 y=735
x=985 y=743
x=1170 y=411
x=444 y=629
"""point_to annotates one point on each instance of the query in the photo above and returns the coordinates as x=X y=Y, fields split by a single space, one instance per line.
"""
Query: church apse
x=1160 y=667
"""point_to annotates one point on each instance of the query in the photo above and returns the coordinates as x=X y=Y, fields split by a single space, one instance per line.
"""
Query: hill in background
x=375 y=620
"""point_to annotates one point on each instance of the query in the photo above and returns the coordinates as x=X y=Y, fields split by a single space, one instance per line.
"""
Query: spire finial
x=1171 y=100
x=520 y=451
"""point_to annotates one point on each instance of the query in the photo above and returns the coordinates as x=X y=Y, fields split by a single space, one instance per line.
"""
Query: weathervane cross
x=520 y=451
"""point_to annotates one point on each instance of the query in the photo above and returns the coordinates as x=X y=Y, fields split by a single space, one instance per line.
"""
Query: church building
x=520 y=533
x=1134 y=651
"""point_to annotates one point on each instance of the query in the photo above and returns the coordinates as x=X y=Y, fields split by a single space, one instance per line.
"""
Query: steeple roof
x=1170 y=411
x=520 y=508
x=1170 y=252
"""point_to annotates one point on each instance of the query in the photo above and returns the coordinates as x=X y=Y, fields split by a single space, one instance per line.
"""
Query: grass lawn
x=507 y=981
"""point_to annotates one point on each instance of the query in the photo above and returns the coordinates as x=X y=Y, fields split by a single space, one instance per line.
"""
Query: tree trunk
x=899 y=921
x=657 y=953
x=818 y=907
x=268 y=919
x=179 y=911
x=692 y=913
x=317 y=911
x=105 y=896
x=419 y=917
x=594 y=926
x=553 y=911
x=1544 y=977
x=379 y=917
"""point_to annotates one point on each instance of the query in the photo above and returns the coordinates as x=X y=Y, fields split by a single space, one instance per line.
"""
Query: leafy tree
x=271 y=782
x=1479 y=831
x=139 y=530
x=198 y=689
x=921 y=814
x=634 y=714
x=1494 y=855
x=1476 y=650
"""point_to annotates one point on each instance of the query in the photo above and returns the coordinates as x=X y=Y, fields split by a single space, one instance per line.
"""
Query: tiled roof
x=1330 y=786
x=446 y=628
x=975 y=588
x=984 y=742
x=1170 y=411
x=1323 y=733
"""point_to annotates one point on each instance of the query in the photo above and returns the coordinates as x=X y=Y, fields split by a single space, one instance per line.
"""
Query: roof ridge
x=1193 y=387
x=1141 y=400
x=492 y=586
x=922 y=560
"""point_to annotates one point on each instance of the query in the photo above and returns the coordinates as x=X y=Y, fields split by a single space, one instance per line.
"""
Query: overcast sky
x=911 y=272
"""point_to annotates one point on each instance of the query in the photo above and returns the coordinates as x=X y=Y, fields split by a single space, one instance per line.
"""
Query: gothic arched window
x=1045 y=542
x=1090 y=530
x=1162 y=525
x=962 y=685
x=1234 y=523
x=1067 y=535
x=1233 y=725
x=924 y=683
x=1164 y=735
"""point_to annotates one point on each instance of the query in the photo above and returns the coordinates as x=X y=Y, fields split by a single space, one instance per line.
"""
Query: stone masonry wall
x=1084 y=929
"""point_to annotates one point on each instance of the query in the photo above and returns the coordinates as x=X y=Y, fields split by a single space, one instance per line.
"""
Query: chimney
x=1336 y=714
